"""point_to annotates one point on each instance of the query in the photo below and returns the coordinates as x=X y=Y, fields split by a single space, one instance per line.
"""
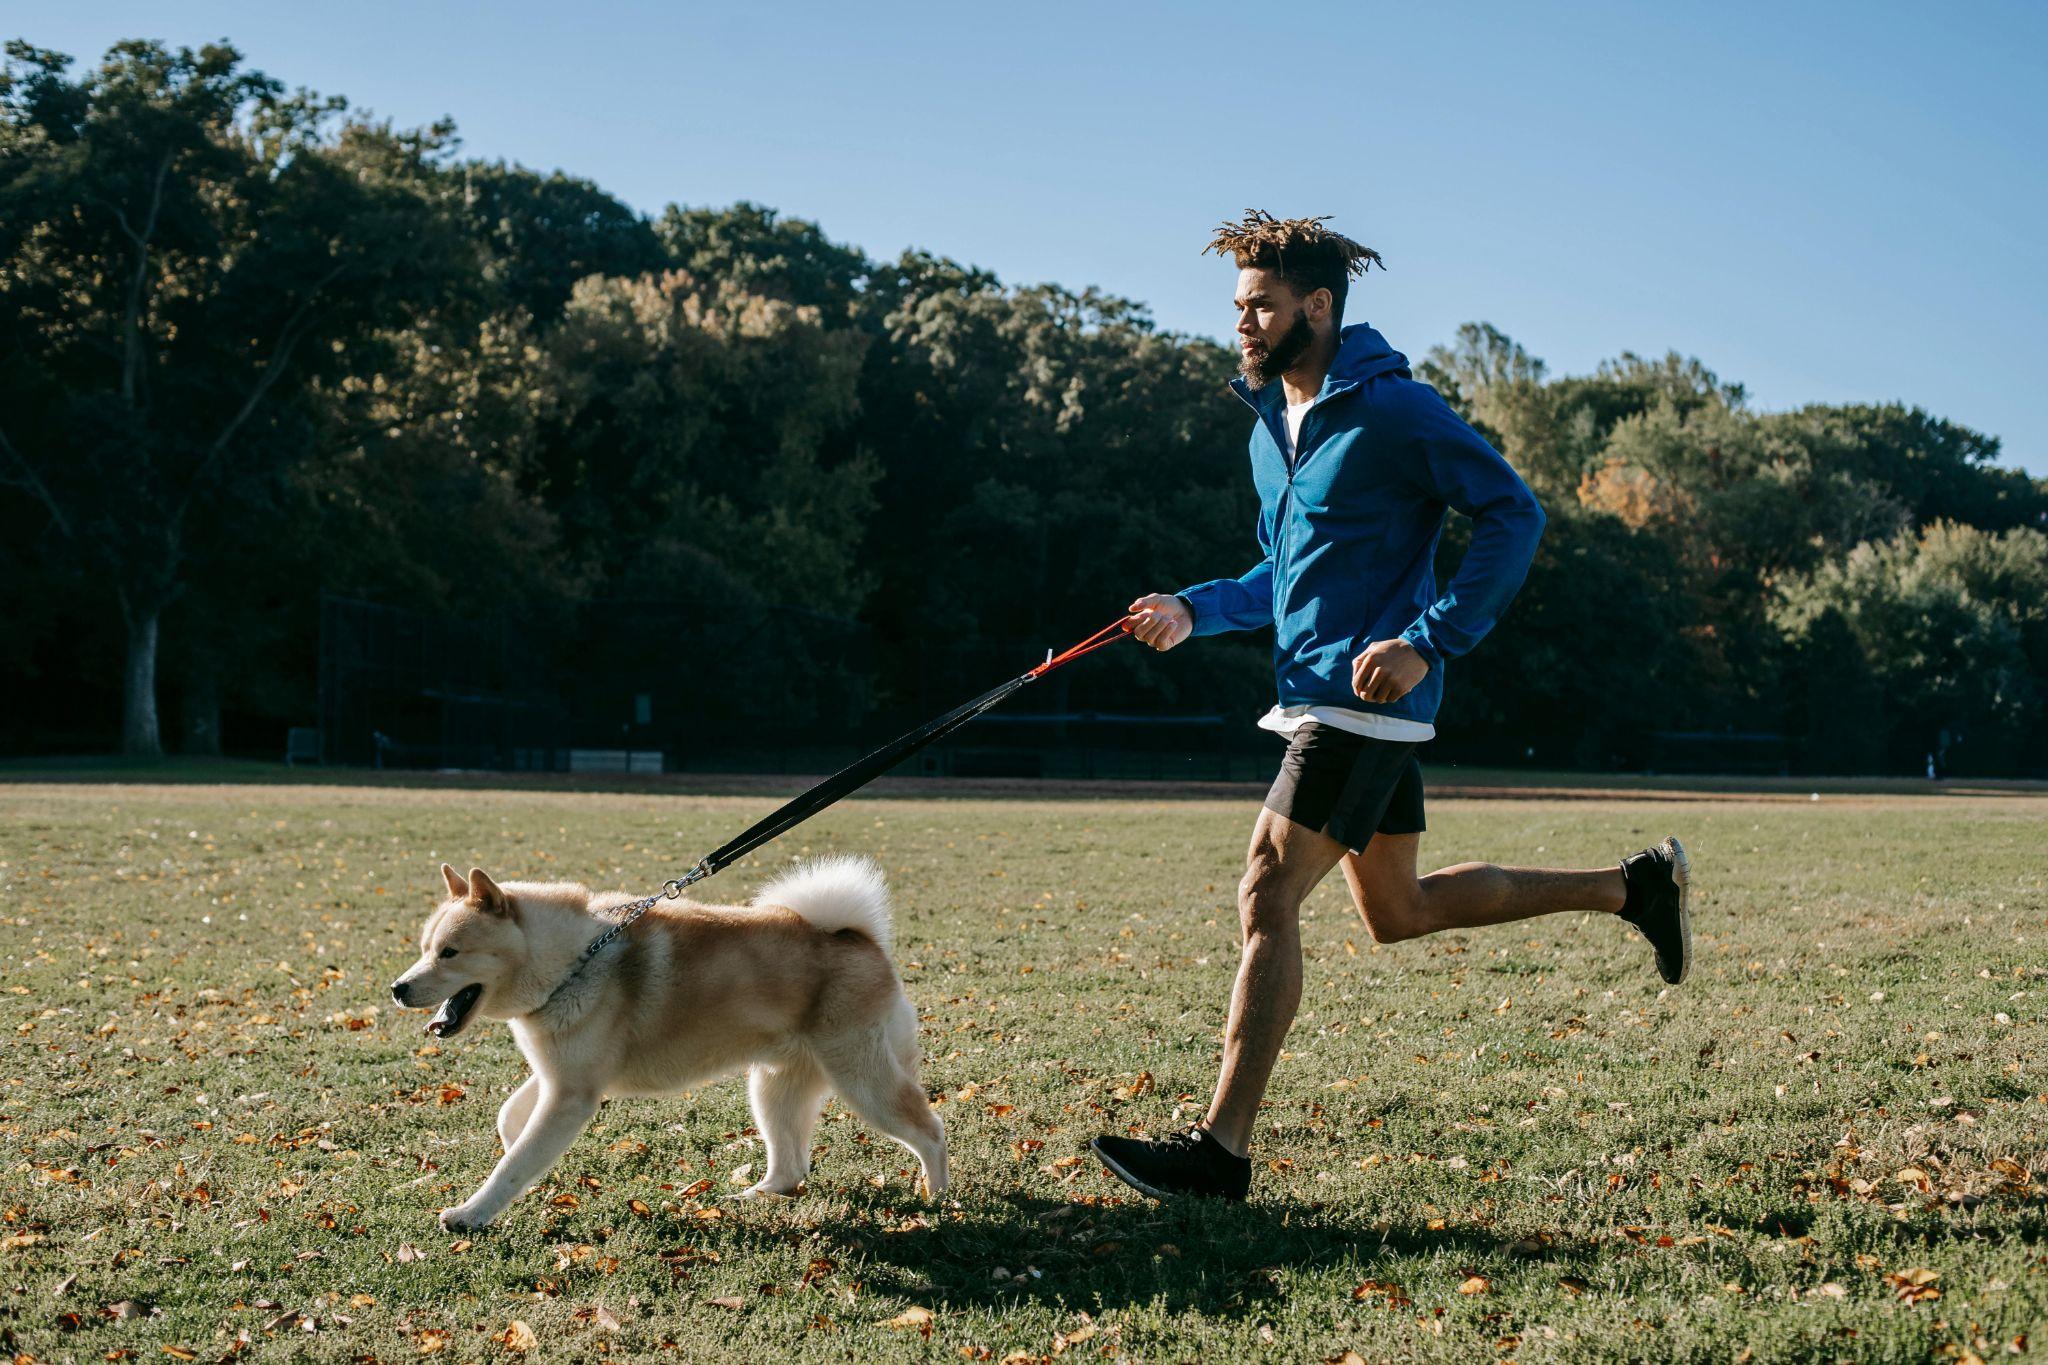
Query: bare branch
x=288 y=338
x=131 y=341
x=34 y=482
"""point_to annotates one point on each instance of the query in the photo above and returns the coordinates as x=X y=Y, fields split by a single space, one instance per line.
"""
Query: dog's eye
x=447 y=952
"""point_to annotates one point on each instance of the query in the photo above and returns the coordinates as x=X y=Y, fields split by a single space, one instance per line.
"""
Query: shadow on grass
x=1208 y=1257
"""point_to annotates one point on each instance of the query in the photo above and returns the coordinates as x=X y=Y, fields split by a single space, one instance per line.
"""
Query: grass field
x=222 y=1140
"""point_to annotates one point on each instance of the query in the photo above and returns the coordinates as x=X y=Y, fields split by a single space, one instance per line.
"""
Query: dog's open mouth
x=454 y=1012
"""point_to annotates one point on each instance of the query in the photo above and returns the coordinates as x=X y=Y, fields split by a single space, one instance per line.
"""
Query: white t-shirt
x=1286 y=720
x=1295 y=412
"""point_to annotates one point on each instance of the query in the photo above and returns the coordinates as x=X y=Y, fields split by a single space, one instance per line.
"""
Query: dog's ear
x=486 y=894
x=457 y=887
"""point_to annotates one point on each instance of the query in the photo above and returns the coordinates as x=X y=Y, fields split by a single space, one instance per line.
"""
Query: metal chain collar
x=671 y=889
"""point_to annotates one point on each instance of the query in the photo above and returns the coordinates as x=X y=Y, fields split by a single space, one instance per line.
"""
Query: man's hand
x=1388 y=670
x=1163 y=620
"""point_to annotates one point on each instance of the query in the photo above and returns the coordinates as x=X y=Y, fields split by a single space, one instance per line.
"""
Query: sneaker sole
x=1109 y=1162
x=1121 y=1174
x=1681 y=873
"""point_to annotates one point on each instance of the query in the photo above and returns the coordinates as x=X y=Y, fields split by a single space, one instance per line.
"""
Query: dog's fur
x=797 y=988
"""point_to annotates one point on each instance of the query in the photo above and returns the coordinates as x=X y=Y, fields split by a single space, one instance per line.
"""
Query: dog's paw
x=762 y=1190
x=462 y=1218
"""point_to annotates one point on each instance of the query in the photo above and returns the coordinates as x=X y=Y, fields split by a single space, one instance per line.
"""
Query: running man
x=1355 y=463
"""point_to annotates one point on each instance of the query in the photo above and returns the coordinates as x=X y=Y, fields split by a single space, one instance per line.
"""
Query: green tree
x=1953 y=625
x=765 y=253
x=542 y=233
x=184 y=252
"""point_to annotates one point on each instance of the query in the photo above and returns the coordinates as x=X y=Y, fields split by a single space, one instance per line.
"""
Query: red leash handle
x=1101 y=639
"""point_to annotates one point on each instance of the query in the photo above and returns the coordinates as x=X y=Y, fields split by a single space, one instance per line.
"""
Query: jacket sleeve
x=1241 y=603
x=1459 y=468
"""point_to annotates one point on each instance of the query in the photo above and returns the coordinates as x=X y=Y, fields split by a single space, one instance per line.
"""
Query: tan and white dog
x=796 y=988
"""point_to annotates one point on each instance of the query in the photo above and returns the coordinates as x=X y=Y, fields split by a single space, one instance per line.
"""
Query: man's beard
x=1262 y=368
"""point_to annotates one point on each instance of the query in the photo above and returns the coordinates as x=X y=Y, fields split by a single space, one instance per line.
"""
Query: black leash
x=848 y=779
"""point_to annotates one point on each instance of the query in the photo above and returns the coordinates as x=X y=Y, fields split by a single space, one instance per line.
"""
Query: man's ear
x=1321 y=313
x=457 y=887
x=486 y=894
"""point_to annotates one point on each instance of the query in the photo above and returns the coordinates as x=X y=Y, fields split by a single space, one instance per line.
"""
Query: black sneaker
x=1656 y=879
x=1185 y=1163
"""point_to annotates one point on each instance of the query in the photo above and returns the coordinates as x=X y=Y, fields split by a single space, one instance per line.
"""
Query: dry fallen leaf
x=1346 y=1357
x=519 y=1337
x=1477 y=1284
x=1072 y=1339
x=913 y=1317
x=732 y=1301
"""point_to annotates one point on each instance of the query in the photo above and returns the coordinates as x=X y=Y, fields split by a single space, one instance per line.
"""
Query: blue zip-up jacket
x=1350 y=527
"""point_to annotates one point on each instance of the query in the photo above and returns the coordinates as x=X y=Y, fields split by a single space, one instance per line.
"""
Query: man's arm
x=1241 y=603
x=1461 y=469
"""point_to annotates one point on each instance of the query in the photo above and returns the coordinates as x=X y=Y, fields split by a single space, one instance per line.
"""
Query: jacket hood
x=1362 y=353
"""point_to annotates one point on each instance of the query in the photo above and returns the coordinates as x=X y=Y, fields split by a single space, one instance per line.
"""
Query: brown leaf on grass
x=181 y=1353
x=14 y=1241
x=124 y=1309
x=1385 y=1293
x=1915 y=1284
x=639 y=1208
x=407 y=1253
x=1346 y=1357
x=1140 y=1084
x=732 y=1301
x=913 y=1318
x=519 y=1337
x=1572 y=1284
x=1061 y=1341
x=1476 y=1284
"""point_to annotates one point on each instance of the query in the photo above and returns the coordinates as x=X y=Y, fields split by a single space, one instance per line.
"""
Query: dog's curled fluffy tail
x=835 y=893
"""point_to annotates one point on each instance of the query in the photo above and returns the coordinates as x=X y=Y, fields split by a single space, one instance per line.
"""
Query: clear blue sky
x=1827 y=202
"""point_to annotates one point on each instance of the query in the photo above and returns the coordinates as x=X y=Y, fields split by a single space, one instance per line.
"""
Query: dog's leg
x=556 y=1120
x=870 y=1075
x=785 y=1100
x=512 y=1115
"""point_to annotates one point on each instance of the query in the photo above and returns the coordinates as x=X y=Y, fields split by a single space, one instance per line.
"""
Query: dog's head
x=472 y=945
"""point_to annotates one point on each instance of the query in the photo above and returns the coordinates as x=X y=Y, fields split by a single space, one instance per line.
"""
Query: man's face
x=1273 y=328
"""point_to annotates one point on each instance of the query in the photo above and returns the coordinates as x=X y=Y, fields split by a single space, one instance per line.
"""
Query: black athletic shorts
x=1348 y=786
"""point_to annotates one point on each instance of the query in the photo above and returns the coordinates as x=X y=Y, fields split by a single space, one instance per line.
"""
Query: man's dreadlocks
x=1305 y=253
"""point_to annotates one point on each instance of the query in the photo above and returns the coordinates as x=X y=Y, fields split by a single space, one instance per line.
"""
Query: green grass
x=212 y=1114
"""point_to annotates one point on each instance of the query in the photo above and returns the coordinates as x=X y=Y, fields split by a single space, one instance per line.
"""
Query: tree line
x=256 y=345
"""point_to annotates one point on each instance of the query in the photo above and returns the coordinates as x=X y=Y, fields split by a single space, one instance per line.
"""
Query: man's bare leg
x=1285 y=863
x=1397 y=905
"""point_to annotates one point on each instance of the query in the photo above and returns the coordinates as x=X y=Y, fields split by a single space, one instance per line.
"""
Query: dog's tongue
x=454 y=1011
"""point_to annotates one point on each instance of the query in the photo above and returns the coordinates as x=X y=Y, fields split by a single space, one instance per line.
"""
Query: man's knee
x=1265 y=903
x=1393 y=915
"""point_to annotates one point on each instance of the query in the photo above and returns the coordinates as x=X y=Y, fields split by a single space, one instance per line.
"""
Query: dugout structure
x=404 y=689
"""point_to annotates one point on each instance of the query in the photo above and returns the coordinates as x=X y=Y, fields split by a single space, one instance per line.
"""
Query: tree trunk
x=199 y=712
x=140 y=737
